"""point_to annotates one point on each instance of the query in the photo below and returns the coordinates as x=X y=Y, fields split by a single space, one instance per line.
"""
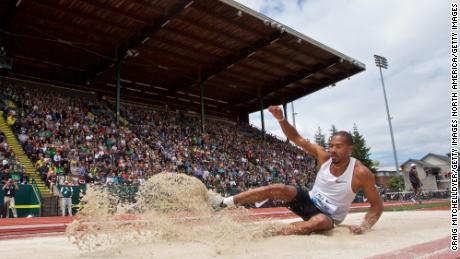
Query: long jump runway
x=407 y=234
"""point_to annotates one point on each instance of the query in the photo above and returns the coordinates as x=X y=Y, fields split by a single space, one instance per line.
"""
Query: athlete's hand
x=357 y=230
x=286 y=231
x=277 y=112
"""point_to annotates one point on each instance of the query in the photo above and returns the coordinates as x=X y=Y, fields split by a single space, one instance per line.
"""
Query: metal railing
x=407 y=195
x=38 y=195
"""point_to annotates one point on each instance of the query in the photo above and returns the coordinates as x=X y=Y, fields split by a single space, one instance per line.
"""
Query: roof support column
x=262 y=112
x=243 y=117
x=285 y=115
x=285 y=110
x=118 y=74
x=202 y=106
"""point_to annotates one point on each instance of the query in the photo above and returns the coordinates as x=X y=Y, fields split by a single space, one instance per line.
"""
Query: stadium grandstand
x=112 y=92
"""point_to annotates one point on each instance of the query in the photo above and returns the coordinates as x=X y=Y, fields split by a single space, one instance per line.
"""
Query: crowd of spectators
x=10 y=167
x=229 y=158
x=76 y=139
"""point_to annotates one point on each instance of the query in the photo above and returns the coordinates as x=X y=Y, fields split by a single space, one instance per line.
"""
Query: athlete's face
x=339 y=149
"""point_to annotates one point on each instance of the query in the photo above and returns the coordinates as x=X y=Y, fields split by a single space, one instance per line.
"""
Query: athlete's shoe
x=216 y=200
x=260 y=204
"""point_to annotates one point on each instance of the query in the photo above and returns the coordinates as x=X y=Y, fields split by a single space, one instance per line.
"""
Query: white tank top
x=333 y=195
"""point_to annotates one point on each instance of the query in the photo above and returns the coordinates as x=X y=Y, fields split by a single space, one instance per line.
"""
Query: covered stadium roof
x=167 y=48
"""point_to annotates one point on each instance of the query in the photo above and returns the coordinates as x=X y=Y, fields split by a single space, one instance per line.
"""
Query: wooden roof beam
x=244 y=53
x=117 y=11
x=204 y=27
x=72 y=11
x=7 y=17
x=231 y=60
x=198 y=39
x=275 y=86
x=206 y=10
x=147 y=31
x=204 y=54
x=313 y=88
x=39 y=17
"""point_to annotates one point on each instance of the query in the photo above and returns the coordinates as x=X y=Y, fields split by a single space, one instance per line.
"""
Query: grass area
x=409 y=207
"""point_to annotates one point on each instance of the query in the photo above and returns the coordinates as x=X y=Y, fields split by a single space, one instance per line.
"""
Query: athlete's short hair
x=347 y=136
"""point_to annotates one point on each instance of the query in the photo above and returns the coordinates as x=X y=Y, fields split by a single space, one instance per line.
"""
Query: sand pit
x=168 y=207
x=394 y=231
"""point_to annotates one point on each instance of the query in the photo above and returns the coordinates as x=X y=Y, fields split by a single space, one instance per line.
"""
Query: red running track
x=429 y=250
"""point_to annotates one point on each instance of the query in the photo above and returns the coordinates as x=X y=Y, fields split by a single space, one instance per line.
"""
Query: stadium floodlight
x=381 y=62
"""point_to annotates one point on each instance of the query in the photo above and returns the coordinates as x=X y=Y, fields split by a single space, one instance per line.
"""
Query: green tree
x=332 y=131
x=375 y=163
x=320 y=139
x=360 y=149
x=396 y=183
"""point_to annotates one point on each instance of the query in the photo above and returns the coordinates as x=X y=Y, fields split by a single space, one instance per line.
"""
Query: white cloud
x=413 y=35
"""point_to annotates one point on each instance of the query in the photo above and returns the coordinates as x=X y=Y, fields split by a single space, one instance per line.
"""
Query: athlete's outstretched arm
x=367 y=181
x=291 y=133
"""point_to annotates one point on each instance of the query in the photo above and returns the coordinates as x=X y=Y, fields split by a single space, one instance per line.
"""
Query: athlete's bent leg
x=319 y=222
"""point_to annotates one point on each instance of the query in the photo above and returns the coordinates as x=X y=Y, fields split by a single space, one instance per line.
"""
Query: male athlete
x=415 y=182
x=339 y=178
